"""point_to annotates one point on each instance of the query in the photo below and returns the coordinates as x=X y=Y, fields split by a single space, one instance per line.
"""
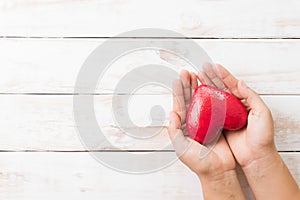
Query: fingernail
x=243 y=85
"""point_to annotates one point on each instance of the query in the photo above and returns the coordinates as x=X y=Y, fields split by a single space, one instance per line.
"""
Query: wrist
x=223 y=185
x=263 y=155
x=262 y=163
x=218 y=176
x=269 y=178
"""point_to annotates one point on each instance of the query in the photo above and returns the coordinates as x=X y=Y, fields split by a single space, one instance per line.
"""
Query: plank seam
x=118 y=94
x=183 y=38
x=86 y=151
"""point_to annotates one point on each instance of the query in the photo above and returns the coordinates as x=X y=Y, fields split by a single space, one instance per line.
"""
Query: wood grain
x=46 y=122
x=43 y=45
x=100 y=18
x=78 y=176
x=52 y=65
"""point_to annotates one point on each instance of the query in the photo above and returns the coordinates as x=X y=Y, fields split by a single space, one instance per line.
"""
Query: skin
x=252 y=147
x=215 y=170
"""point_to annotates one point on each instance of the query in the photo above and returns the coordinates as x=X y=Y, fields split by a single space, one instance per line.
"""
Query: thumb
x=180 y=143
x=255 y=102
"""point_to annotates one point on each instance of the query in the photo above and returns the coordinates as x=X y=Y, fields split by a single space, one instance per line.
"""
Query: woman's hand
x=215 y=167
x=254 y=147
x=256 y=140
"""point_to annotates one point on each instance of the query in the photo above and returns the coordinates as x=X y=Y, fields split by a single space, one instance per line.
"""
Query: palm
x=238 y=142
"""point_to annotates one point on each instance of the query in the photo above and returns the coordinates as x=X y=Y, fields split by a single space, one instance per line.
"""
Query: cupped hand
x=256 y=140
x=205 y=162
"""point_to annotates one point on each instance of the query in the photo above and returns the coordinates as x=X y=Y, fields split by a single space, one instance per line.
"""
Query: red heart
x=211 y=110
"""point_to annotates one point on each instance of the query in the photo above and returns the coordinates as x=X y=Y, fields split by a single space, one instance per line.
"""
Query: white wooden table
x=43 y=45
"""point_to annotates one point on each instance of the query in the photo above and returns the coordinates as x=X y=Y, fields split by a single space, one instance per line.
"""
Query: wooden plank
x=78 y=176
x=252 y=18
x=52 y=65
x=46 y=123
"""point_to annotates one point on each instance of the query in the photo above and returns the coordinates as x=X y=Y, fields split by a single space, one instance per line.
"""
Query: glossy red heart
x=210 y=111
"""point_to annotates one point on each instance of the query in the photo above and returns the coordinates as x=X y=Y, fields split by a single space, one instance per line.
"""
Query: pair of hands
x=252 y=143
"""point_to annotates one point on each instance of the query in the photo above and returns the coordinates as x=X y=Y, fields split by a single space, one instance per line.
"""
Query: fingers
x=254 y=101
x=178 y=100
x=204 y=79
x=228 y=79
x=194 y=81
x=186 y=84
x=211 y=74
x=189 y=151
x=180 y=143
x=175 y=124
x=182 y=92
